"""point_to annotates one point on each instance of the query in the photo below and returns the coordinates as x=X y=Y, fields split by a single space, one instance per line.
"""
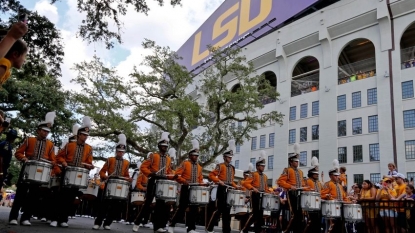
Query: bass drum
x=213 y=192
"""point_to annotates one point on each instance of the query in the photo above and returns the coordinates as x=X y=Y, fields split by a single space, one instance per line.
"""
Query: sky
x=167 y=25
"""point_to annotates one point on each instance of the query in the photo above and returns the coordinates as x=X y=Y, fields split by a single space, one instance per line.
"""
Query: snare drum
x=352 y=212
x=137 y=197
x=235 y=197
x=76 y=177
x=117 y=189
x=166 y=190
x=310 y=201
x=199 y=195
x=91 y=192
x=37 y=172
x=331 y=209
x=270 y=202
x=213 y=192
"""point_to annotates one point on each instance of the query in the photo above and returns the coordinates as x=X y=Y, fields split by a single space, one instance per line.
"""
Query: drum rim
x=73 y=168
x=352 y=204
x=37 y=162
x=166 y=182
x=331 y=201
x=236 y=191
x=197 y=187
x=118 y=181
x=311 y=192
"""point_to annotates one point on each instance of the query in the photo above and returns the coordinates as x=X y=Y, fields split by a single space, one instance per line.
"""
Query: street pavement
x=77 y=225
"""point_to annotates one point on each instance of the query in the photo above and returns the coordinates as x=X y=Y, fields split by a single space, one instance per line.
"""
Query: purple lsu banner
x=237 y=22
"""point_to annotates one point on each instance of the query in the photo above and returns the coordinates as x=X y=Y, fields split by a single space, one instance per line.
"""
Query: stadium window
x=409 y=118
x=341 y=102
x=293 y=113
x=407 y=89
x=341 y=128
x=374 y=152
x=342 y=154
x=357 y=154
x=372 y=96
x=356 y=99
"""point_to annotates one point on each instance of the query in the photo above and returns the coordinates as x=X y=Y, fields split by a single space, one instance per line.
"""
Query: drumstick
x=161 y=169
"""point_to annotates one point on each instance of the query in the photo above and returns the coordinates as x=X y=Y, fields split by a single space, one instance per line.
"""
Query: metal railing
x=304 y=84
x=408 y=57
x=387 y=217
x=357 y=71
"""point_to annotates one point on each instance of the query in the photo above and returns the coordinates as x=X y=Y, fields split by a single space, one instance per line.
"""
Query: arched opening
x=357 y=61
x=306 y=76
x=408 y=47
x=236 y=88
x=271 y=78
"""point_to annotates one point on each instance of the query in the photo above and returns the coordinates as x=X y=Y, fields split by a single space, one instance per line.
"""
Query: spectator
x=387 y=212
x=368 y=193
x=392 y=171
x=15 y=33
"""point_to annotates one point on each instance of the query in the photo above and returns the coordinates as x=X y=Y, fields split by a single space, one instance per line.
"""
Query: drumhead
x=38 y=163
x=166 y=182
x=199 y=188
x=236 y=191
x=310 y=193
x=78 y=169
x=118 y=181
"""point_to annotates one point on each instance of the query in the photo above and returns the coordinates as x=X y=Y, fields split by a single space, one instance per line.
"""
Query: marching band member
x=6 y=153
x=156 y=166
x=223 y=175
x=313 y=224
x=33 y=148
x=292 y=180
x=333 y=190
x=141 y=185
x=257 y=183
x=75 y=154
x=114 y=167
x=189 y=172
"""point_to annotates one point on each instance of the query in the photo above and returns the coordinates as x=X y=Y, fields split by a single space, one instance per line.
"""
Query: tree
x=98 y=14
x=35 y=89
x=160 y=98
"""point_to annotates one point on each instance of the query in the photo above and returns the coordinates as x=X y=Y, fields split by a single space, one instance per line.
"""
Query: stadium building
x=345 y=73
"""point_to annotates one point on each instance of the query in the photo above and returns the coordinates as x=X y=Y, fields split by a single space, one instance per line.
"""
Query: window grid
x=341 y=102
x=271 y=139
x=303 y=134
x=409 y=118
x=315 y=153
x=303 y=159
x=357 y=154
x=356 y=99
x=270 y=162
x=358 y=178
x=237 y=148
x=341 y=128
x=291 y=137
x=237 y=164
x=293 y=113
x=342 y=153
x=373 y=123
x=252 y=160
x=253 y=143
x=410 y=149
x=315 y=134
x=315 y=108
x=374 y=178
x=410 y=176
x=262 y=139
x=303 y=110
x=407 y=89
x=372 y=96
x=357 y=126
x=374 y=152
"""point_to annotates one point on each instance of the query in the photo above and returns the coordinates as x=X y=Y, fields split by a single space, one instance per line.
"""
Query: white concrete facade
x=323 y=35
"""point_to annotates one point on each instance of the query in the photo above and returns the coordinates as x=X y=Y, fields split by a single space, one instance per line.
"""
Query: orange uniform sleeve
x=51 y=154
x=282 y=180
x=20 y=152
x=104 y=169
x=248 y=183
x=61 y=157
x=325 y=191
x=213 y=175
x=146 y=165
x=179 y=171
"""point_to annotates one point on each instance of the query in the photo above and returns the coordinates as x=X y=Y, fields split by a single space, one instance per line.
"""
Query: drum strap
x=338 y=191
x=316 y=186
x=162 y=164
x=118 y=167
x=39 y=149
x=194 y=173
x=79 y=151
x=297 y=178
x=228 y=174
x=261 y=182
